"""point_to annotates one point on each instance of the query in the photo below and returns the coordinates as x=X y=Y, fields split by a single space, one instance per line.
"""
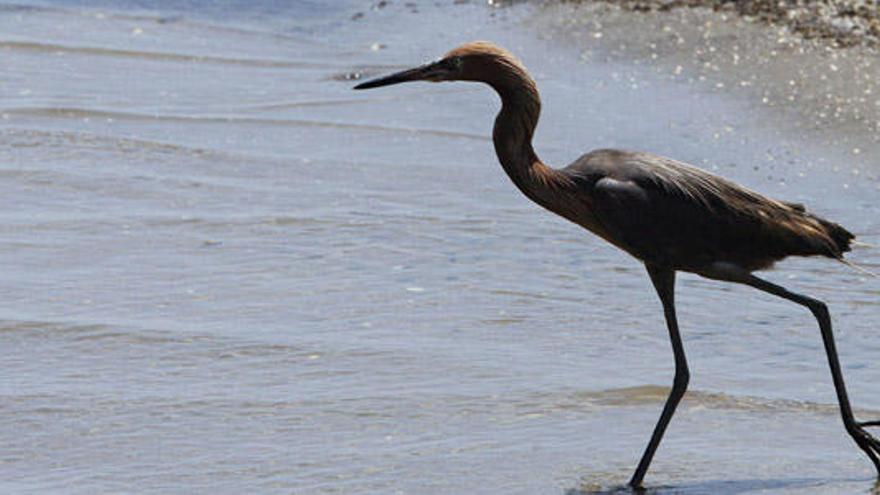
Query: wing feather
x=669 y=212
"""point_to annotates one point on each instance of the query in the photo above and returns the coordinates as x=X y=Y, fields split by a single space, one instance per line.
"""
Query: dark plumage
x=689 y=218
x=670 y=215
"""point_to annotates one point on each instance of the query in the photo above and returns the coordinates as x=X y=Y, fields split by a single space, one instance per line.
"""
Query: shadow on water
x=725 y=487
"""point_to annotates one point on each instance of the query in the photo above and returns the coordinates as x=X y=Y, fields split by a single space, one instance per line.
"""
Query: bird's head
x=475 y=61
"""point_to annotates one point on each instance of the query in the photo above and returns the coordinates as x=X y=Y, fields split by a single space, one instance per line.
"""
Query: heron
x=670 y=215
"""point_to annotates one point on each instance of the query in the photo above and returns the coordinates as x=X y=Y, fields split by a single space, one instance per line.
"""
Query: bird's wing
x=674 y=214
x=648 y=222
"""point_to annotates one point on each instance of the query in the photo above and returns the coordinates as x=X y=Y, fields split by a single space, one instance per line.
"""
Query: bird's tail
x=842 y=238
x=858 y=268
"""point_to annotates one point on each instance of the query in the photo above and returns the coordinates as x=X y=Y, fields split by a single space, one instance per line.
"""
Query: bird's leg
x=664 y=282
x=863 y=439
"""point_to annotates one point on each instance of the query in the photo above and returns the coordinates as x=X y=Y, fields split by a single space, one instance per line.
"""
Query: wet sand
x=835 y=23
x=812 y=84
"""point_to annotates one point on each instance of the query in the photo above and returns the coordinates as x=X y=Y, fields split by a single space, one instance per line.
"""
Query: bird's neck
x=512 y=135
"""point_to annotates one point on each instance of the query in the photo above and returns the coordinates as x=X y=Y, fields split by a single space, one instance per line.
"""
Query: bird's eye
x=455 y=62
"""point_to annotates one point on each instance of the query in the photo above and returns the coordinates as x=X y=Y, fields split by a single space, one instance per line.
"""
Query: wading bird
x=670 y=215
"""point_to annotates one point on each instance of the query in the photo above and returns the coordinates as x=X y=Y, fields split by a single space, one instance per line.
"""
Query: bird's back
x=673 y=214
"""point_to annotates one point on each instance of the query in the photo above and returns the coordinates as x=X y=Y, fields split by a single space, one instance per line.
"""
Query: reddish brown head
x=476 y=61
x=515 y=124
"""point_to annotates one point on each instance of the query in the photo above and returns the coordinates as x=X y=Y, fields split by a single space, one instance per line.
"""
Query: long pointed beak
x=420 y=73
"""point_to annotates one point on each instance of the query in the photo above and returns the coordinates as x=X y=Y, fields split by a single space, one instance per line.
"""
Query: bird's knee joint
x=851 y=426
x=819 y=309
x=682 y=378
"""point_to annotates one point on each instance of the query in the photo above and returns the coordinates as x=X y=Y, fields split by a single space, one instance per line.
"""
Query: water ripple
x=85 y=113
x=54 y=48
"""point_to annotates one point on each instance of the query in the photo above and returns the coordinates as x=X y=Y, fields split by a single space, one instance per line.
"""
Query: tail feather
x=800 y=233
x=858 y=268
x=841 y=237
x=829 y=238
x=860 y=244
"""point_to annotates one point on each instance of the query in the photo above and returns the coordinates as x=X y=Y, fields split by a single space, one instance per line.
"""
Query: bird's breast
x=577 y=207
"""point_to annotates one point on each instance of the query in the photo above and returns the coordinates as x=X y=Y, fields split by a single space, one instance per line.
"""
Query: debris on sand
x=843 y=22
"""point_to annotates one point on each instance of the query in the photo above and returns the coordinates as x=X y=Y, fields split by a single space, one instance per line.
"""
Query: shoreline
x=843 y=23
x=808 y=84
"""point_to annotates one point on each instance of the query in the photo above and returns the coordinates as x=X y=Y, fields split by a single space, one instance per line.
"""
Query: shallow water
x=224 y=271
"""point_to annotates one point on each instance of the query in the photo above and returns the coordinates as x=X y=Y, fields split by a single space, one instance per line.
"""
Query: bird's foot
x=867 y=442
